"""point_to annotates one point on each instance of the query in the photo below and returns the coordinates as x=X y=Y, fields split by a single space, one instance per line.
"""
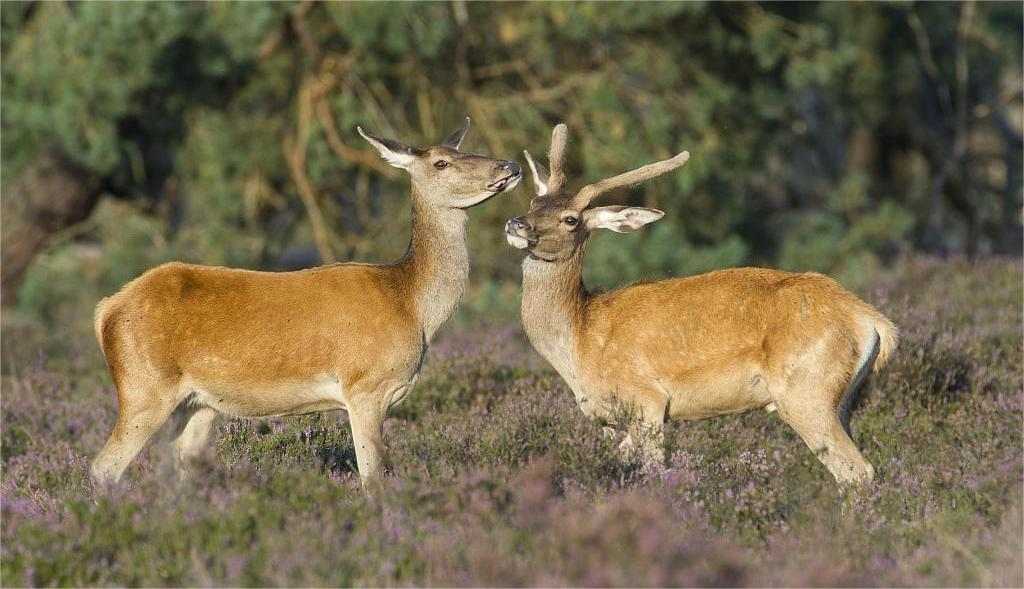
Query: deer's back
x=209 y=322
x=715 y=322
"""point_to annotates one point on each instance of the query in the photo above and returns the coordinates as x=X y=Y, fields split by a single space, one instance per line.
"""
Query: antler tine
x=556 y=158
x=592 y=191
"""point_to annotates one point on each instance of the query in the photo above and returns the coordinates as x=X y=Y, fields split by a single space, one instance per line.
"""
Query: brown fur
x=345 y=336
x=690 y=348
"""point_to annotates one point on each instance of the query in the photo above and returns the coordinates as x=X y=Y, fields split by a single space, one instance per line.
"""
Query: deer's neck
x=554 y=301
x=436 y=263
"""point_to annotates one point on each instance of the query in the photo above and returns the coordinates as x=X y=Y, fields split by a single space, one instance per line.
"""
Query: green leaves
x=818 y=131
x=74 y=74
x=658 y=251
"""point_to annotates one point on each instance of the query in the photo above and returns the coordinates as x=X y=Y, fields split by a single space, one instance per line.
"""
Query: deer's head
x=559 y=222
x=446 y=177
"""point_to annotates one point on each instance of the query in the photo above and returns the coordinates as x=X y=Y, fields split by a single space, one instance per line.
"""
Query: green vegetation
x=825 y=136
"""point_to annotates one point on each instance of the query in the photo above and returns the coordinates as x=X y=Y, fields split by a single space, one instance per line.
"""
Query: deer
x=207 y=341
x=695 y=347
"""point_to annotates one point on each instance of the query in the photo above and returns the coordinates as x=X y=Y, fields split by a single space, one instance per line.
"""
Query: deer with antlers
x=209 y=341
x=691 y=348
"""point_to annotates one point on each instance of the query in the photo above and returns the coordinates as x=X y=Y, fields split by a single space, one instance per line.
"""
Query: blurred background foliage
x=825 y=136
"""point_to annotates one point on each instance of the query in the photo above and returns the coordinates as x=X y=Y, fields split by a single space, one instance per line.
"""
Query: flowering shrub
x=500 y=480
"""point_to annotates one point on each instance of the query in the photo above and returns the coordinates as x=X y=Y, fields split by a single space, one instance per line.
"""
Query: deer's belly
x=267 y=399
x=710 y=393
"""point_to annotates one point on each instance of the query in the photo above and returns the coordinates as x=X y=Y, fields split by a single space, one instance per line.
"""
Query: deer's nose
x=517 y=224
x=511 y=167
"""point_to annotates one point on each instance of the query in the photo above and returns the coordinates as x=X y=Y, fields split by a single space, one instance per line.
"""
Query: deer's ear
x=455 y=139
x=620 y=219
x=393 y=152
x=540 y=175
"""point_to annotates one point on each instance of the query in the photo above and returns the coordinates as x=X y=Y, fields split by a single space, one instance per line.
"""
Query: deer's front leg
x=648 y=441
x=367 y=420
x=646 y=435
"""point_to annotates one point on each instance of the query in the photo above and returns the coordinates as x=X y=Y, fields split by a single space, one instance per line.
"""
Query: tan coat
x=209 y=341
x=691 y=348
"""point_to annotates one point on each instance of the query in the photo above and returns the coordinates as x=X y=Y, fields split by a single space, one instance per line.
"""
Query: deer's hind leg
x=193 y=436
x=822 y=431
x=143 y=406
x=811 y=405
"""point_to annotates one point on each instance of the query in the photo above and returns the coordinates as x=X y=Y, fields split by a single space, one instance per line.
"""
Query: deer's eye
x=571 y=221
x=440 y=164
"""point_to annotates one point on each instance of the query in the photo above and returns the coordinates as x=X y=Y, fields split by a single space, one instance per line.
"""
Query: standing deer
x=256 y=344
x=691 y=348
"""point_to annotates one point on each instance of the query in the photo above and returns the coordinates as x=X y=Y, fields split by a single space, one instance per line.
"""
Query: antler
x=556 y=158
x=592 y=191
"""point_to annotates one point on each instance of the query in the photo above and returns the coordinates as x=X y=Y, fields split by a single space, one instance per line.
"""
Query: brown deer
x=690 y=348
x=211 y=340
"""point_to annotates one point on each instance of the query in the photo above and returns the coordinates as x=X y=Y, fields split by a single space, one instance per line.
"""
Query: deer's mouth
x=505 y=182
x=517 y=241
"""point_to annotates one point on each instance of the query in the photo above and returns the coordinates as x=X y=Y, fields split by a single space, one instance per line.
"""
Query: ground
x=500 y=480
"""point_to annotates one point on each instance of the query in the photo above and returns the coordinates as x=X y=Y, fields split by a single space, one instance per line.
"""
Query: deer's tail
x=99 y=320
x=888 y=339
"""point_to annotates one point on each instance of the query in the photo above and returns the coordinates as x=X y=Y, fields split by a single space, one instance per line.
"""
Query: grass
x=501 y=481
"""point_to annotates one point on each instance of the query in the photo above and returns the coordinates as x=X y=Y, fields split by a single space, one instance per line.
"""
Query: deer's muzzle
x=513 y=173
x=517 y=233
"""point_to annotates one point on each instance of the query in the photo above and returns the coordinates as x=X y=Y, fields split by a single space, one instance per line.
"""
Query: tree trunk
x=51 y=194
